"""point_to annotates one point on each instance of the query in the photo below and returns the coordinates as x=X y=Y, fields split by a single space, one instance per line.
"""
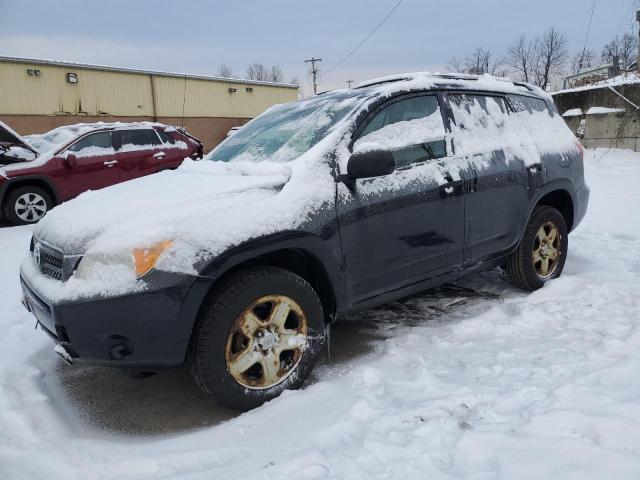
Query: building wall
x=605 y=130
x=205 y=107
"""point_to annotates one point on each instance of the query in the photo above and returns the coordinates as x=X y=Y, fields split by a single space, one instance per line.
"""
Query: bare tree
x=262 y=73
x=225 y=71
x=551 y=56
x=295 y=81
x=521 y=56
x=257 y=71
x=481 y=61
x=276 y=75
x=581 y=61
x=625 y=48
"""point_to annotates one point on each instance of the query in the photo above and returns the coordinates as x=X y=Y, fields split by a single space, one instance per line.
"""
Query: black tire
x=217 y=327
x=11 y=210
x=521 y=269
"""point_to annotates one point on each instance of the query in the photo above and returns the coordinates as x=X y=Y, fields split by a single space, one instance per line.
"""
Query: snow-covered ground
x=477 y=381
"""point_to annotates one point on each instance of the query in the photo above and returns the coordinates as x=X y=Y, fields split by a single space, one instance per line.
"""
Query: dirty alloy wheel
x=542 y=250
x=260 y=333
x=26 y=205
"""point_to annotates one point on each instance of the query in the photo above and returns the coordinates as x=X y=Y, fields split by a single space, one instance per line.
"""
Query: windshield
x=53 y=140
x=285 y=132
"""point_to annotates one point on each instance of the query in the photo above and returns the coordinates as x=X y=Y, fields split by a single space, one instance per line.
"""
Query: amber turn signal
x=145 y=259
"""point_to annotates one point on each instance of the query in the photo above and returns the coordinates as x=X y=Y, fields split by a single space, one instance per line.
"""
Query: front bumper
x=148 y=329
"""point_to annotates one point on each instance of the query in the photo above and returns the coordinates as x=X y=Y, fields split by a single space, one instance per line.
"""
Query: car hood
x=9 y=139
x=174 y=205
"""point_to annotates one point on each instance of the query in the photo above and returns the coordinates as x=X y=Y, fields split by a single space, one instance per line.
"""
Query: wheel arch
x=37 y=181
x=561 y=200
x=303 y=254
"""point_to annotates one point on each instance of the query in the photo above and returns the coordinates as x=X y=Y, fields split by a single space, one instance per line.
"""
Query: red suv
x=41 y=171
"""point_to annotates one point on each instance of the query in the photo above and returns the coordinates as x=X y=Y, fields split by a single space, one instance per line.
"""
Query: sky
x=197 y=36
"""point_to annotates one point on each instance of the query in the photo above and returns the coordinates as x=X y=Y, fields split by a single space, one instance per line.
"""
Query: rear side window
x=411 y=128
x=98 y=143
x=138 y=138
x=165 y=137
x=521 y=103
x=477 y=110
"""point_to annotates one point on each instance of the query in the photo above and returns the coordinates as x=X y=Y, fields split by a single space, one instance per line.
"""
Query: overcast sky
x=197 y=36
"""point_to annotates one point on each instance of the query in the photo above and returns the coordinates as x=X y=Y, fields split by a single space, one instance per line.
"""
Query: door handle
x=159 y=155
x=448 y=190
x=110 y=163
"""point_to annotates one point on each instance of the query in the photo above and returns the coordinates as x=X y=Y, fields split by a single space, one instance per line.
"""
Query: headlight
x=138 y=262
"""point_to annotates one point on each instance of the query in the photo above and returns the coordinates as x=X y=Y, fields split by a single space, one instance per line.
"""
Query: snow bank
x=573 y=112
x=603 y=110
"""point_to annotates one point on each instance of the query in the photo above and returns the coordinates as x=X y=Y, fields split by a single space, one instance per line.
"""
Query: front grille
x=50 y=261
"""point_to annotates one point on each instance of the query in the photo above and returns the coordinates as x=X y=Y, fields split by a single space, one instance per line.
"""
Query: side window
x=411 y=128
x=521 y=103
x=473 y=112
x=165 y=137
x=98 y=143
x=134 y=139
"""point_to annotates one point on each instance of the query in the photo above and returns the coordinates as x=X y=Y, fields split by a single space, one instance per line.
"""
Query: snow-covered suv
x=236 y=264
x=41 y=171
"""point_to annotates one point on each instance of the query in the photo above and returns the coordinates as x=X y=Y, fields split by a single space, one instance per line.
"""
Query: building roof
x=88 y=66
x=624 y=79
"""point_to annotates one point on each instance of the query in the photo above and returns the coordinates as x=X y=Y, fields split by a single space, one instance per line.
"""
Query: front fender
x=325 y=250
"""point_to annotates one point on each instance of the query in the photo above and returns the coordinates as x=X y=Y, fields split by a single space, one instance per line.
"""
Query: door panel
x=403 y=228
x=400 y=229
x=140 y=152
x=95 y=166
x=498 y=200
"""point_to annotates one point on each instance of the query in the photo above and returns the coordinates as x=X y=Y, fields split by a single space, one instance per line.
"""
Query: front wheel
x=26 y=205
x=260 y=333
x=542 y=251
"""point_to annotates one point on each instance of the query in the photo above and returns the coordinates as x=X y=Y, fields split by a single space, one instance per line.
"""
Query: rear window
x=165 y=137
x=521 y=103
x=141 y=137
x=477 y=111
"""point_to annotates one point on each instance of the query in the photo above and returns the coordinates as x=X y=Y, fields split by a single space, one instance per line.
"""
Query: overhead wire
x=369 y=35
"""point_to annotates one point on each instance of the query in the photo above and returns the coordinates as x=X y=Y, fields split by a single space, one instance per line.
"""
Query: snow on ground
x=485 y=383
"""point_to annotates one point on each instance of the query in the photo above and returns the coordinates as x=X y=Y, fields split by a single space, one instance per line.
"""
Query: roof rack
x=444 y=76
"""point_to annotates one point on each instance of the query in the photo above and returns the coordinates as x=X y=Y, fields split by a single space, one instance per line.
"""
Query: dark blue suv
x=235 y=264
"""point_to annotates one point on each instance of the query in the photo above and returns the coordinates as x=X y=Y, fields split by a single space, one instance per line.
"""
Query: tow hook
x=64 y=354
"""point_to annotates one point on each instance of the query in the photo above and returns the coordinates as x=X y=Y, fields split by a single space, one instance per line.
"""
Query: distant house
x=589 y=75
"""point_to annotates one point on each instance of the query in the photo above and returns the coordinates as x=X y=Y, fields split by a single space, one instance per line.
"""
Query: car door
x=90 y=164
x=139 y=152
x=172 y=153
x=400 y=229
x=498 y=198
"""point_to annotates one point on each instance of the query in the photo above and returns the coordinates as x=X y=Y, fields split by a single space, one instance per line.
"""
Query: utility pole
x=314 y=72
x=349 y=82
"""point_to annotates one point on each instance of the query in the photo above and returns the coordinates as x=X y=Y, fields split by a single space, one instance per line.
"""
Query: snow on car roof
x=428 y=80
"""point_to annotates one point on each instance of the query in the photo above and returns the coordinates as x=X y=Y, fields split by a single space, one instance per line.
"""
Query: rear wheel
x=260 y=334
x=26 y=205
x=542 y=251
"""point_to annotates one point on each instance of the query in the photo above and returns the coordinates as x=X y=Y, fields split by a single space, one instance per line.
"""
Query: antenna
x=314 y=72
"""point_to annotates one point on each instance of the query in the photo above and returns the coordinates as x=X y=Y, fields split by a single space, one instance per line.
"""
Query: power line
x=314 y=72
x=346 y=57
x=633 y=4
x=584 y=49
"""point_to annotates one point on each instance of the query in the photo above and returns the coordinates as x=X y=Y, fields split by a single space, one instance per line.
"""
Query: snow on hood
x=203 y=207
x=160 y=206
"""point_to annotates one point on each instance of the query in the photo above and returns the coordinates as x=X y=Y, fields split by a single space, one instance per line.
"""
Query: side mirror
x=71 y=160
x=374 y=163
